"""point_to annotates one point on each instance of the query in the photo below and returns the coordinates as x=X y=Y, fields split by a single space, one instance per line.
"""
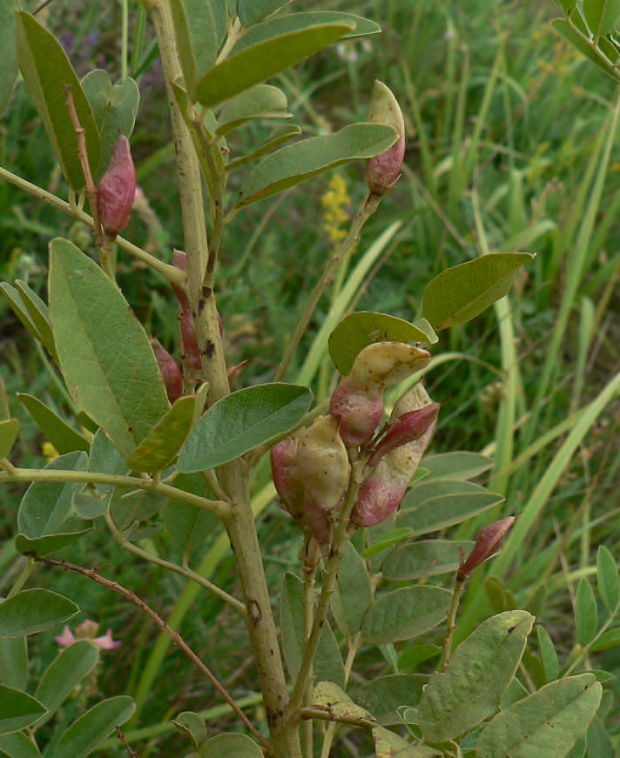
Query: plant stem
x=183 y=570
x=369 y=206
x=454 y=606
x=174 y=635
x=217 y=507
x=172 y=273
x=328 y=584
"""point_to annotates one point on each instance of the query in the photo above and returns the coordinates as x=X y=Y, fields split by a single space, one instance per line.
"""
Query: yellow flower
x=49 y=451
x=335 y=202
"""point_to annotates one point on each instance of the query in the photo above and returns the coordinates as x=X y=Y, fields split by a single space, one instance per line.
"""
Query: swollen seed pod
x=117 y=189
x=323 y=463
x=169 y=369
x=285 y=474
x=383 y=170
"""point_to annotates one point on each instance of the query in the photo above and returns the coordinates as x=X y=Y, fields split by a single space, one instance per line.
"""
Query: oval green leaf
x=477 y=676
x=304 y=159
x=261 y=101
x=8 y=52
x=458 y=464
x=84 y=734
x=586 y=616
x=49 y=544
x=65 y=672
x=462 y=292
x=405 y=613
x=32 y=611
x=295 y=22
x=353 y=595
x=358 y=330
x=428 y=489
x=240 y=422
x=446 y=510
x=104 y=353
x=551 y=719
x=266 y=59
x=423 y=558
x=14 y=662
x=46 y=70
x=251 y=11
x=230 y=744
x=17 y=745
x=165 y=439
x=390 y=745
x=602 y=16
x=9 y=430
x=18 y=306
x=583 y=43
x=38 y=312
x=385 y=694
x=278 y=137
x=17 y=710
x=114 y=108
x=607 y=578
x=58 y=432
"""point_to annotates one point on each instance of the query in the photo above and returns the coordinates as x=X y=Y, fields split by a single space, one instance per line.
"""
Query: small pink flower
x=66 y=638
x=106 y=642
x=87 y=631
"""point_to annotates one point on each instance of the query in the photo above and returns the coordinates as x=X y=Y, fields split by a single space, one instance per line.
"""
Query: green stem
x=217 y=507
x=183 y=570
x=171 y=273
x=23 y=577
x=454 y=606
x=369 y=206
x=124 y=38
x=327 y=586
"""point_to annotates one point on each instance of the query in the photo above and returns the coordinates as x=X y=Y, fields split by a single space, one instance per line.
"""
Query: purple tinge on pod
x=117 y=189
x=187 y=326
x=169 y=370
x=383 y=170
x=383 y=489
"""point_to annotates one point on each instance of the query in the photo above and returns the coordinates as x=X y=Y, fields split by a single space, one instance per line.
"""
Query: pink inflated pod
x=383 y=489
x=323 y=467
x=189 y=342
x=169 y=369
x=487 y=544
x=285 y=474
x=383 y=170
x=117 y=189
x=357 y=402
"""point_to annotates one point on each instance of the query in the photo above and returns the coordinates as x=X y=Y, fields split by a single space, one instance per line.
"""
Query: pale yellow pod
x=322 y=462
x=383 y=364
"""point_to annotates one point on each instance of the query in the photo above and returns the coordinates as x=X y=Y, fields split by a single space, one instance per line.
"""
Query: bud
x=116 y=190
x=487 y=545
x=409 y=427
x=384 y=488
x=191 y=352
x=383 y=170
x=169 y=369
x=357 y=402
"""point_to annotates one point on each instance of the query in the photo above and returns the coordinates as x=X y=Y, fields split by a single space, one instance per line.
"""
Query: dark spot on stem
x=209 y=349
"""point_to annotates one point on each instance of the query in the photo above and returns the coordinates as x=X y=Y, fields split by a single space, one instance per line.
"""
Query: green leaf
x=19 y=308
x=329 y=697
x=187 y=525
x=586 y=616
x=607 y=578
x=251 y=11
x=357 y=330
x=428 y=489
x=385 y=694
x=446 y=510
x=390 y=745
x=458 y=464
x=8 y=53
x=240 y=422
x=17 y=710
x=393 y=537
x=582 y=43
x=105 y=355
x=353 y=594
x=237 y=745
x=296 y=22
x=165 y=439
x=207 y=26
x=598 y=740
x=328 y=661
x=192 y=725
x=405 y=613
x=552 y=720
x=610 y=638
x=32 y=611
x=9 y=430
x=38 y=312
x=84 y=734
x=65 y=672
x=50 y=543
x=278 y=137
x=114 y=108
x=5 y=411
x=462 y=292
x=304 y=159
x=547 y=653
x=261 y=101
x=58 y=432
x=262 y=61
x=106 y=459
x=14 y=662
x=602 y=15
x=477 y=676
x=423 y=558
x=46 y=70
x=17 y=745
x=46 y=505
